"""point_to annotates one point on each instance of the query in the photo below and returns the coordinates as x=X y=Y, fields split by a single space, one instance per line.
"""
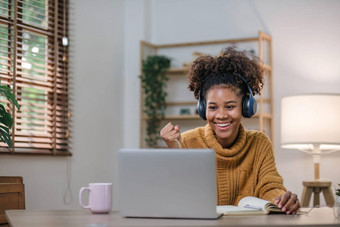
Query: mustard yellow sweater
x=246 y=169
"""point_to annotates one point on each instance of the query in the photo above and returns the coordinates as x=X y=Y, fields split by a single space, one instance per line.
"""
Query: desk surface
x=317 y=217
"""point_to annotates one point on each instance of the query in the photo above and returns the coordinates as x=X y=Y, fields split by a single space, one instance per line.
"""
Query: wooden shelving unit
x=261 y=45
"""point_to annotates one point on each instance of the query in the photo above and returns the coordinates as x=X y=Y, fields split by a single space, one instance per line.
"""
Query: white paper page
x=253 y=202
x=234 y=209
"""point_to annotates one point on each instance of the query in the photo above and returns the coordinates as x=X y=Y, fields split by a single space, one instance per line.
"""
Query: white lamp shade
x=311 y=119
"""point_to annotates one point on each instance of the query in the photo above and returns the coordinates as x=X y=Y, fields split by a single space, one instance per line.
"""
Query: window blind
x=33 y=63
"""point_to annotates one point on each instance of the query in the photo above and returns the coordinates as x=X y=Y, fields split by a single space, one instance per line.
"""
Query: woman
x=225 y=86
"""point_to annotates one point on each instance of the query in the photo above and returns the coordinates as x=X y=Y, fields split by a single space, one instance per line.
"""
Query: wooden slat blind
x=33 y=63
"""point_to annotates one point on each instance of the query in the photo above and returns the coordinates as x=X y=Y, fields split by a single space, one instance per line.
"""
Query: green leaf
x=153 y=82
x=6 y=120
x=5 y=136
x=5 y=117
x=5 y=91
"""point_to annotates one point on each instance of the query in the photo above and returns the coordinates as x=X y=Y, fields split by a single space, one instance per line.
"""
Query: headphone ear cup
x=249 y=107
x=201 y=108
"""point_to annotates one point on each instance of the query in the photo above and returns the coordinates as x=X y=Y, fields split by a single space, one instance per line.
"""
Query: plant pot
x=337 y=207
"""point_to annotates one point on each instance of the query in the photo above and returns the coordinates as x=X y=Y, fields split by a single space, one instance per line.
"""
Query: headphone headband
x=245 y=81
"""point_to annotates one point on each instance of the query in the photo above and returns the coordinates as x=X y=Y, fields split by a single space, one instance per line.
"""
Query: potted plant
x=337 y=202
x=6 y=120
x=153 y=81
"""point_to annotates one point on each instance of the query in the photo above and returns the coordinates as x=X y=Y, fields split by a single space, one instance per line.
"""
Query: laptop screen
x=167 y=183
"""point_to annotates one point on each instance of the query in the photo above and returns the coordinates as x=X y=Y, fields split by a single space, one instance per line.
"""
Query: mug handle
x=80 y=197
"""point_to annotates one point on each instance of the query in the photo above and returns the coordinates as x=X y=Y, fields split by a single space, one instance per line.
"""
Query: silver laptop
x=167 y=183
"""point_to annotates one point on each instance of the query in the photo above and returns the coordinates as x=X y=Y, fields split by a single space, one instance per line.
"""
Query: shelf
x=264 y=100
x=181 y=103
x=178 y=70
x=204 y=43
x=267 y=67
x=179 y=117
x=267 y=115
x=182 y=71
x=195 y=103
x=182 y=117
x=196 y=117
x=264 y=115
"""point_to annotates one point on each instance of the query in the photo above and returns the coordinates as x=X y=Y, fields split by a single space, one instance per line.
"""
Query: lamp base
x=316 y=187
x=316 y=171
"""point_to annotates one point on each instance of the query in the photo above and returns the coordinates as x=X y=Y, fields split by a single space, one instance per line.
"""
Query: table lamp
x=311 y=123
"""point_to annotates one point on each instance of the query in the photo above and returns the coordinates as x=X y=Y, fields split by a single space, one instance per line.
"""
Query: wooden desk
x=29 y=218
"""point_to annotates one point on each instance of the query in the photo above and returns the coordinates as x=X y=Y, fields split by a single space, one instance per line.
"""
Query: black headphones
x=249 y=105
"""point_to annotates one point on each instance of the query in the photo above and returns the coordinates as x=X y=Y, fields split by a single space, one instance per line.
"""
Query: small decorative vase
x=337 y=207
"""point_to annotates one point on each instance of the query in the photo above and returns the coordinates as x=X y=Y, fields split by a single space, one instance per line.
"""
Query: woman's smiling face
x=224 y=113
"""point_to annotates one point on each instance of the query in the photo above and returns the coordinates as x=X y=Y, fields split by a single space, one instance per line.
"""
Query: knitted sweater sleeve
x=270 y=183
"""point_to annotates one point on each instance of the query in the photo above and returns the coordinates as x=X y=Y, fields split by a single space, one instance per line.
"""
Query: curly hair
x=207 y=71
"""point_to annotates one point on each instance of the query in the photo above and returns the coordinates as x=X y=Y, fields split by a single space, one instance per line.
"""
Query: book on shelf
x=250 y=206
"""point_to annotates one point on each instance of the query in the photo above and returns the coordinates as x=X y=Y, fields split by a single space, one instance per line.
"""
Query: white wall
x=305 y=47
x=104 y=65
x=97 y=36
x=137 y=27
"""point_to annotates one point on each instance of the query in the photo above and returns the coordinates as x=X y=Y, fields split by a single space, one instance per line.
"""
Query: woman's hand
x=288 y=202
x=171 y=135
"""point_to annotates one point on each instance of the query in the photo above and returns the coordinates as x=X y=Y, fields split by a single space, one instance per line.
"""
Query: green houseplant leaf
x=153 y=81
x=6 y=120
x=5 y=91
x=337 y=191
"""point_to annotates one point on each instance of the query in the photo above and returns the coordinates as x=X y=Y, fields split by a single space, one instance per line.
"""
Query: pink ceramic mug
x=100 y=197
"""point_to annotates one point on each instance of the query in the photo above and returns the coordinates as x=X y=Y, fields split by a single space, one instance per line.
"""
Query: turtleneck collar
x=232 y=153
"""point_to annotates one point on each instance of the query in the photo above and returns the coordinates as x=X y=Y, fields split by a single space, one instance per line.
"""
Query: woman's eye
x=230 y=107
x=212 y=107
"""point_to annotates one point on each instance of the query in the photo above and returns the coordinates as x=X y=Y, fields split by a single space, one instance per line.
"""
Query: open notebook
x=250 y=206
x=167 y=183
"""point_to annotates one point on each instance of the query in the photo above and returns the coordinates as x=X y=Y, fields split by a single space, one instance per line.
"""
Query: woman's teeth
x=223 y=125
